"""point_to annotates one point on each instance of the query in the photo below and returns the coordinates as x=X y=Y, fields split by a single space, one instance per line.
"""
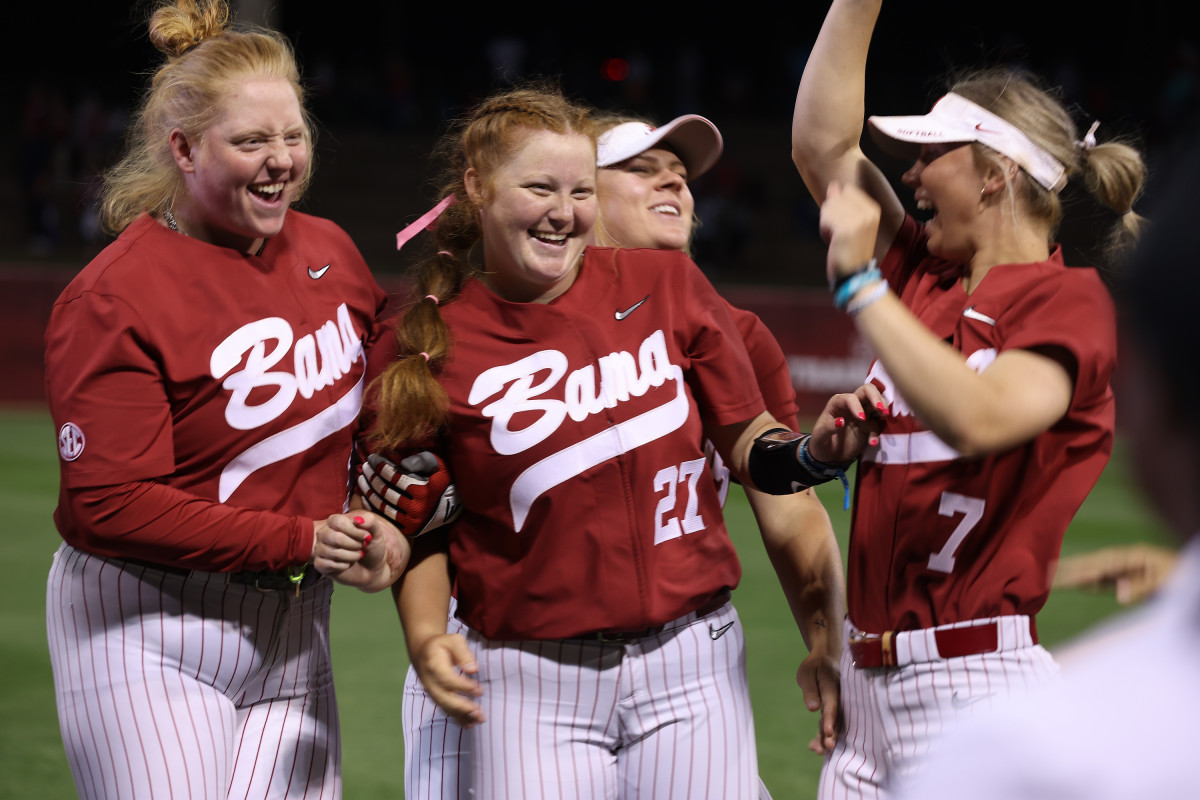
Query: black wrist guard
x=781 y=464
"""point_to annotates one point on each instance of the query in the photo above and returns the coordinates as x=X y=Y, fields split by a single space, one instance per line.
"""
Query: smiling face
x=245 y=171
x=947 y=181
x=536 y=214
x=645 y=201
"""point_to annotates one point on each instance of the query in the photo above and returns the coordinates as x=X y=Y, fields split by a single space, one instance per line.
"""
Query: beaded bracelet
x=845 y=288
x=877 y=291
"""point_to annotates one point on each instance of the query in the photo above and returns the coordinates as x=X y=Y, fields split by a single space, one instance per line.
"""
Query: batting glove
x=417 y=495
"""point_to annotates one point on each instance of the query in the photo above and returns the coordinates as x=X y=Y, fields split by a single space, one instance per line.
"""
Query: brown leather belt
x=869 y=651
x=715 y=602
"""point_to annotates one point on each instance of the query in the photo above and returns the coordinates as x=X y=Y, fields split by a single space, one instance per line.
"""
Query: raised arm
x=1020 y=394
x=827 y=123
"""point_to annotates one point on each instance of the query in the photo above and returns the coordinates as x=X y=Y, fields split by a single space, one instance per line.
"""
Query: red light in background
x=614 y=69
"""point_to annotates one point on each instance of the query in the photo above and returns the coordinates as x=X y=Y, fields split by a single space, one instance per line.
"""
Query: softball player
x=1089 y=740
x=645 y=201
x=991 y=415
x=205 y=372
x=591 y=562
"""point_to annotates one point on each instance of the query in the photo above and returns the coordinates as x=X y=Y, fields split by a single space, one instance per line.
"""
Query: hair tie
x=1089 y=139
x=445 y=253
x=426 y=221
x=426 y=355
x=433 y=298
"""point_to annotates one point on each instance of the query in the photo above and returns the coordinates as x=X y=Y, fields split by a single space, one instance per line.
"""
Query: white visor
x=693 y=138
x=954 y=118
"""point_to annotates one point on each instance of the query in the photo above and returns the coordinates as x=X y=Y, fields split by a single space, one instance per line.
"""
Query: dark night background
x=385 y=77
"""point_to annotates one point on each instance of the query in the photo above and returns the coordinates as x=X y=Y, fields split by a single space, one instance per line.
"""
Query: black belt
x=715 y=602
x=277 y=580
x=264 y=580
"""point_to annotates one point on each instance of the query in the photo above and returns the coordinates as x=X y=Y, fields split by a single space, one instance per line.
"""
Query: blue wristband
x=872 y=295
x=827 y=471
x=849 y=286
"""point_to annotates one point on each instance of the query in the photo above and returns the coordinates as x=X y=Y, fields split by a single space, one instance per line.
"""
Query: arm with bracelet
x=1022 y=393
x=768 y=457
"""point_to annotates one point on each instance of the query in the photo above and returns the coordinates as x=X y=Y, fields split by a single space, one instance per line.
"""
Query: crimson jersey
x=938 y=538
x=770 y=366
x=205 y=398
x=575 y=439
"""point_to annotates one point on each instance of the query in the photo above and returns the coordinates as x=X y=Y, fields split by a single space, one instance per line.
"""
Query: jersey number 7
x=972 y=510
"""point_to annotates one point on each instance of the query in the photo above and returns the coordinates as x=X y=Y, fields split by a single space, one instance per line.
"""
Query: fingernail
x=873 y=441
x=862 y=415
x=359 y=521
x=367 y=540
x=839 y=423
x=881 y=406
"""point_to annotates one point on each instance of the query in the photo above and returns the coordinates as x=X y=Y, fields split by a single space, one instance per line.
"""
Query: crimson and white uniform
x=437 y=759
x=576 y=445
x=205 y=402
x=942 y=541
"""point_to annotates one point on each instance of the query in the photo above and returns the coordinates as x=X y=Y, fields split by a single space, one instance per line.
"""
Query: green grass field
x=369 y=656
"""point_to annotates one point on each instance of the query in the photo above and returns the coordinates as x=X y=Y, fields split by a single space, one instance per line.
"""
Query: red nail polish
x=367 y=540
x=881 y=406
x=839 y=423
x=862 y=415
x=359 y=521
x=873 y=441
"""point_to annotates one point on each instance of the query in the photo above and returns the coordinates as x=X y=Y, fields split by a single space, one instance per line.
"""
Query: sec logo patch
x=70 y=442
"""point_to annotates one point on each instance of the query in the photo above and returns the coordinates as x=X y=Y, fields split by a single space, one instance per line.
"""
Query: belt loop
x=889 y=654
x=1033 y=629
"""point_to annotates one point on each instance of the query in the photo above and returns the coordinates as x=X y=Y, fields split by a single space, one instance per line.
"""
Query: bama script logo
x=917 y=446
x=591 y=389
x=318 y=360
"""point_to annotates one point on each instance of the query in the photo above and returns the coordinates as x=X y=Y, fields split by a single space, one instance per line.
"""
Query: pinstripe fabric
x=437 y=760
x=894 y=715
x=665 y=717
x=184 y=686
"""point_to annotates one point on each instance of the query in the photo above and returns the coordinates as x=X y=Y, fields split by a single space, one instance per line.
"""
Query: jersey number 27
x=667 y=524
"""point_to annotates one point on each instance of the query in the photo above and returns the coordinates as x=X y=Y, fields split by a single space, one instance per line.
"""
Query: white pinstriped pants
x=437 y=755
x=894 y=715
x=186 y=686
x=437 y=759
x=665 y=717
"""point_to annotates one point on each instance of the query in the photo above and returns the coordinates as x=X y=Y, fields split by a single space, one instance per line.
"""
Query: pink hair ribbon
x=425 y=222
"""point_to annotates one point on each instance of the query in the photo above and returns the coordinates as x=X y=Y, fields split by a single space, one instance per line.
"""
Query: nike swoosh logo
x=620 y=315
x=316 y=273
x=971 y=313
x=963 y=702
x=717 y=633
x=979 y=127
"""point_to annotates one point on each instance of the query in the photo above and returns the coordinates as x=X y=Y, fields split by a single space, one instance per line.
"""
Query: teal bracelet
x=873 y=294
x=839 y=281
x=849 y=286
